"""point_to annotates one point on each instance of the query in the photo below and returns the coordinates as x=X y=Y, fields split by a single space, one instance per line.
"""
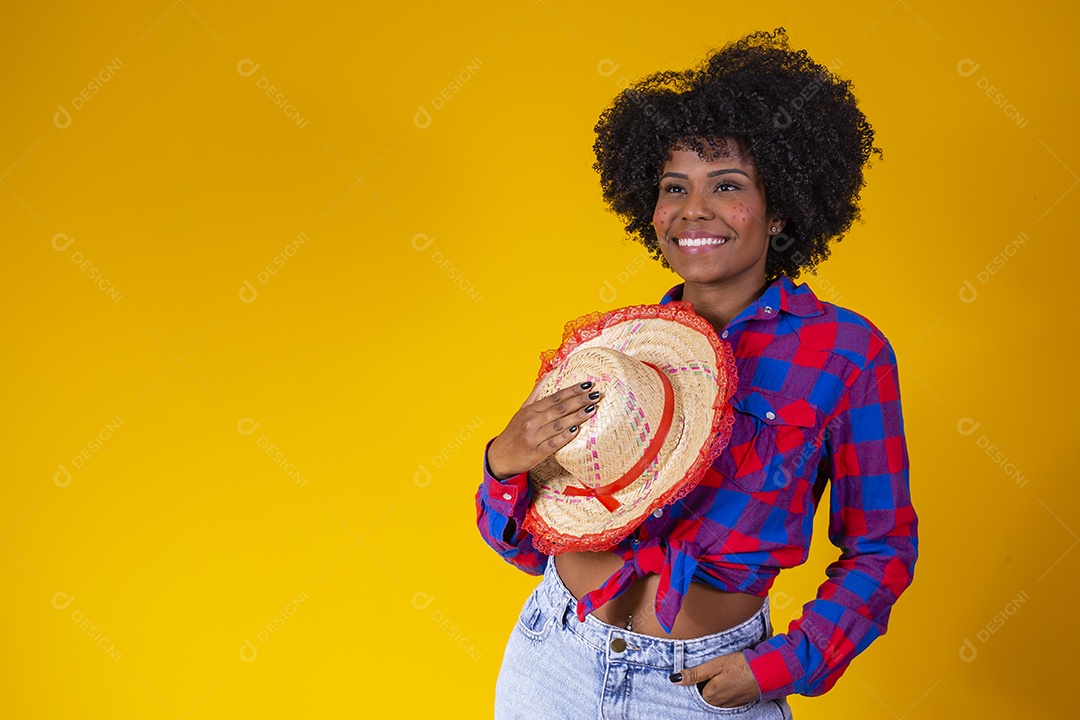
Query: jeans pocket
x=699 y=700
x=536 y=618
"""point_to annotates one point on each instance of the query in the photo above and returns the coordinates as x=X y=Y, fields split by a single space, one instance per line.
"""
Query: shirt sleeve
x=874 y=525
x=500 y=511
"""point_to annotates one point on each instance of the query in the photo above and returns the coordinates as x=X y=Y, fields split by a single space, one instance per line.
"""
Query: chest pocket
x=773 y=441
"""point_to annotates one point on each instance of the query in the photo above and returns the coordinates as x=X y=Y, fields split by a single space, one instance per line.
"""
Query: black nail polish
x=586 y=385
x=594 y=395
x=590 y=408
x=573 y=428
x=675 y=677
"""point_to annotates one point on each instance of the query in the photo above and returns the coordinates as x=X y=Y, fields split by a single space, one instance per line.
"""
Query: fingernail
x=594 y=395
x=675 y=677
x=586 y=385
x=590 y=408
x=573 y=428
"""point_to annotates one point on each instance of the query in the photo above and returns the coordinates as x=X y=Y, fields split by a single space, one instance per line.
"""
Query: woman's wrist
x=493 y=466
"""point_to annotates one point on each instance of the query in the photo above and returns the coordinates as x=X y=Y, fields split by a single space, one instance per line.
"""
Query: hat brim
x=701 y=369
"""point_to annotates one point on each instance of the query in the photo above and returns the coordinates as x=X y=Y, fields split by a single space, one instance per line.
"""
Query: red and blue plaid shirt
x=818 y=403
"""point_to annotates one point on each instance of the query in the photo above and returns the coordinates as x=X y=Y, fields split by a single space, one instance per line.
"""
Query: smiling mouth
x=699 y=242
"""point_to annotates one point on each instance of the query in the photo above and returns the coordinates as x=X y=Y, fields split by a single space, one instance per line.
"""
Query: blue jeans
x=556 y=667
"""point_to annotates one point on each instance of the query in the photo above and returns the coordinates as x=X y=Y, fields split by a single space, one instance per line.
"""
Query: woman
x=737 y=175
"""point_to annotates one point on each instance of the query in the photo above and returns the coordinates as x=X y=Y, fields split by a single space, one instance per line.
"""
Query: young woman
x=737 y=175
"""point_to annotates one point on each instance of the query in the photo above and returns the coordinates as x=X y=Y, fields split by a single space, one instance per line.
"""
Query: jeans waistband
x=647 y=650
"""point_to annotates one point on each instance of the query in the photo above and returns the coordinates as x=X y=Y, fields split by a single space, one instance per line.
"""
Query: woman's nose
x=696 y=208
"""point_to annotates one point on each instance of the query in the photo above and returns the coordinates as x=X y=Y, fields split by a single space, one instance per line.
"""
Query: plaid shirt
x=818 y=401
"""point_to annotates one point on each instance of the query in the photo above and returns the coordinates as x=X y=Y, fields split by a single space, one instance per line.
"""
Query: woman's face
x=710 y=217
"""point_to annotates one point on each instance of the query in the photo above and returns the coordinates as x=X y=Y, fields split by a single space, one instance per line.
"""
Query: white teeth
x=698 y=242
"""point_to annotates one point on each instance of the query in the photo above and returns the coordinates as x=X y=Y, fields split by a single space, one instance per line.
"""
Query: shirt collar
x=782 y=294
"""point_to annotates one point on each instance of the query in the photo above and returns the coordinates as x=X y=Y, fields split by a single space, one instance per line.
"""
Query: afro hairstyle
x=794 y=119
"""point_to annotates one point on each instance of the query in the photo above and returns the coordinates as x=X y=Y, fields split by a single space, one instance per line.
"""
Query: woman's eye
x=721 y=187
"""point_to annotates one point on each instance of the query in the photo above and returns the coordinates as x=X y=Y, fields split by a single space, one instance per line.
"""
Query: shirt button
x=771 y=415
x=635 y=541
x=618 y=645
x=658 y=512
x=768 y=310
x=724 y=334
x=507 y=496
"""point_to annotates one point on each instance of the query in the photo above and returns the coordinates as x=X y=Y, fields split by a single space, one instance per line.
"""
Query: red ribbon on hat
x=606 y=493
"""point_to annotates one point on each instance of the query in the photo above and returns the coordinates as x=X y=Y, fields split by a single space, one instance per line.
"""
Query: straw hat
x=664 y=417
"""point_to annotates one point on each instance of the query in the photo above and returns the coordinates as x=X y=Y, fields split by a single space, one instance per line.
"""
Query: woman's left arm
x=873 y=523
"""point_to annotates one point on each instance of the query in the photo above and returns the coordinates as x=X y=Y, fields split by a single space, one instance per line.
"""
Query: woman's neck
x=719 y=304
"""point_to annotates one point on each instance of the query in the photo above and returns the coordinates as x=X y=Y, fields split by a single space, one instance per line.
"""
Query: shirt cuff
x=775 y=667
x=507 y=497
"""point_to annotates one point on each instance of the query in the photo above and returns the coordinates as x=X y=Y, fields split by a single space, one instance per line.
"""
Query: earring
x=772 y=230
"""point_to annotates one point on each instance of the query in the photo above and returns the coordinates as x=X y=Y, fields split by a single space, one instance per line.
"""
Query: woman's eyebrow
x=725 y=171
x=712 y=173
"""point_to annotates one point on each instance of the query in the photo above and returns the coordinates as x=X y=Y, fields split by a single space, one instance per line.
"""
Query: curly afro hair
x=794 y=119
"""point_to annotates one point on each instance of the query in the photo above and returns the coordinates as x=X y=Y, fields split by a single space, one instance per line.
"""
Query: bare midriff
x=705 y=610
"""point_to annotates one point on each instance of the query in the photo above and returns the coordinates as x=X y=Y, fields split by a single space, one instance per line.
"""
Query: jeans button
x=618 y=645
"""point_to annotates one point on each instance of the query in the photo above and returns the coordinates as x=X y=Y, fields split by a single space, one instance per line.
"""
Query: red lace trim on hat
x=551 y=542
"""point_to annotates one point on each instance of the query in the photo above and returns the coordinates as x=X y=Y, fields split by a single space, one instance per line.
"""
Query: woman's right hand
x=540 y=428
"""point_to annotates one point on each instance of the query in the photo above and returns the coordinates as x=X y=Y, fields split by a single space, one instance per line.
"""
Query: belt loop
x=679 y=656
x=566 y=606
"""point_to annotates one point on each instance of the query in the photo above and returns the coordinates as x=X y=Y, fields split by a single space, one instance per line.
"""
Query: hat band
x=606 y=493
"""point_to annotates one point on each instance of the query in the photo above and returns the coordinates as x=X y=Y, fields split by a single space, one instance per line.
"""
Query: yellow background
x=234 y=491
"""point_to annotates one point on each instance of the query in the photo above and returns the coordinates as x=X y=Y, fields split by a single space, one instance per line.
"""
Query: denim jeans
x=556 y=667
